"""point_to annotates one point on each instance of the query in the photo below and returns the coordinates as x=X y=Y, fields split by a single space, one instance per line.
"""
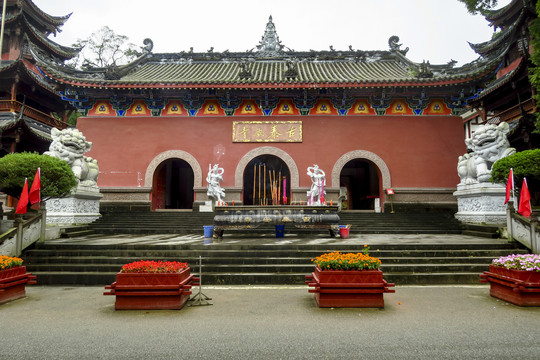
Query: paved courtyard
x=270 y=239
x=456 y=322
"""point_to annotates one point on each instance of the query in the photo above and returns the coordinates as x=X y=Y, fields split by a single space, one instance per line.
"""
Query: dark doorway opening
x=173 y=185
x=359 y=180
x=267 y=181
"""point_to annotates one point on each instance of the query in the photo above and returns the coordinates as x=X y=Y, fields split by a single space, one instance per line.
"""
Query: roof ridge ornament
x=393 y=43
x=270 y=45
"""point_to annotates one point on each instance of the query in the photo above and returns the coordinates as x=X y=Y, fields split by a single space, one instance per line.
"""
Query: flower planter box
x=518 y=287
x=151 y=291
x=13 y=283
x=336 y=288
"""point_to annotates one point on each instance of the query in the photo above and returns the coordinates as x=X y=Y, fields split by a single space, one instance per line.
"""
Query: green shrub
x=525 y=164
x=57 y=178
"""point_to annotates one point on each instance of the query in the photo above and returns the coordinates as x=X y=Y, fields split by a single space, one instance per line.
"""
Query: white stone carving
x=488 y=144
x=481 y=203
x=81 y=207
x=214 y=177
x=70 y=145
x=318 y=183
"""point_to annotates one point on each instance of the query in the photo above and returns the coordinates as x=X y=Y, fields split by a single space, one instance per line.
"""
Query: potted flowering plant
x=348 y=280
x=13 y=278
x=515 y=278
x=147 y=284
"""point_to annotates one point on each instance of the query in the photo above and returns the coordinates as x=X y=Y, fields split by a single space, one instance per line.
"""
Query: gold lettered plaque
x=267 y=131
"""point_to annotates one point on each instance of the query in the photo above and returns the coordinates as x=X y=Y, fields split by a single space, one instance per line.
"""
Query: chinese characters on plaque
x=267 y=131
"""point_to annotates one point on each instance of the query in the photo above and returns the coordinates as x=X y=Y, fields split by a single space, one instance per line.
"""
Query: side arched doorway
x=172 y=185
x=264 y=181
x=359 y=181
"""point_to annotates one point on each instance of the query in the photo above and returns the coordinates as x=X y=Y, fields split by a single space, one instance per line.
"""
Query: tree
x=479 y=6
x=103 y=48
x=57 y=178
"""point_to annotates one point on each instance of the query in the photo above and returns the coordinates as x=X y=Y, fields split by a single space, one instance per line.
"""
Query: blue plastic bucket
x=280 y=231
x=208 y=231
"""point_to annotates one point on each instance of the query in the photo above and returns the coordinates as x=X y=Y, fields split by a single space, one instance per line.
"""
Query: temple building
x=509 y=97
x=27 y=100
x=372 y=120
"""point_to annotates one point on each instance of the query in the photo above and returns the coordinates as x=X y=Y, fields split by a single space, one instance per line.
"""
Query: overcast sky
x=434 y=30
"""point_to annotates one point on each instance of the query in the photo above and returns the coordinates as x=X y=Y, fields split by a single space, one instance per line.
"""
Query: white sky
x=434 y=30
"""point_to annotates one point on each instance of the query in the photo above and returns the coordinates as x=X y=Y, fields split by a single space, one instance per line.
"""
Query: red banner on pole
x=35 y=191
x=23 y=199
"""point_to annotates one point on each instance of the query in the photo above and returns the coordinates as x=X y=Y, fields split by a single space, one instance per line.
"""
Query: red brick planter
x=13 y=283
x=334 y=288
x=149 y=291
x=518 y=287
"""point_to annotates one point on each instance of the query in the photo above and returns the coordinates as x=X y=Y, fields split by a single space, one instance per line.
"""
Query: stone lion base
x=481 y=204
x=81 y=207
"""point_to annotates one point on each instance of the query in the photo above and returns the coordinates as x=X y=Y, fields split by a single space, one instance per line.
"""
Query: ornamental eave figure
x=318 y=183
x=215 y=175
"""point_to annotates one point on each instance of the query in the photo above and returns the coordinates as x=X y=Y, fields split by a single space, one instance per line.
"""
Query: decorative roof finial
x=270 y=45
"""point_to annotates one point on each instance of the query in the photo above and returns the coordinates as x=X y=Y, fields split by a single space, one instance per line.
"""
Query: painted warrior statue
x=215 y=175
x=318 y=182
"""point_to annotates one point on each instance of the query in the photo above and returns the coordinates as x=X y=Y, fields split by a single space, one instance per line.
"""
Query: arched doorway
x=172 y=185
x=264 y=181
x=359 y=180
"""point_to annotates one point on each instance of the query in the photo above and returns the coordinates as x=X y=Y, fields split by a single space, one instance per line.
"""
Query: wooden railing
x=15 y=106
x=515 y=111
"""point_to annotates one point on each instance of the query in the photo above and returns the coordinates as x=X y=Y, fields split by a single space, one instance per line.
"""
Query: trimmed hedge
x=525 y=164
x=57 y=178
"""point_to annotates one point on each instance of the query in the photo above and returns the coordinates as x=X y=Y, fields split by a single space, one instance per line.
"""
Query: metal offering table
x=251 y=217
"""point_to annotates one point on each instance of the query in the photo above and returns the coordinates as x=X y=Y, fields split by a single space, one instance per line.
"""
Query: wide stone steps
x=262 y=264
x=185 y=222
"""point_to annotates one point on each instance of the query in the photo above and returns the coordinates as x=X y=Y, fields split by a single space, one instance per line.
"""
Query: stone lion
x=488 y=144
x=70 y=145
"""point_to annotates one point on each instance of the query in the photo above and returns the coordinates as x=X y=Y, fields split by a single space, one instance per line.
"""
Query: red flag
x=525 y=200
x=509 y=185
x=23 y=199
x=35 y=196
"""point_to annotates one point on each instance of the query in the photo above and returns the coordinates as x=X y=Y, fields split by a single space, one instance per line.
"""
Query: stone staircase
x=187 y=222
x=243 y=264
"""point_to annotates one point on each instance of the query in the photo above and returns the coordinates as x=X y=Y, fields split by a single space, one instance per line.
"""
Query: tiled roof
x=52 y=23
x=382 y=68
x=509 y=34
x=271 y=66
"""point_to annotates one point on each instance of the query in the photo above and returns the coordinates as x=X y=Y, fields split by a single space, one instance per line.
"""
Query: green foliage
x=103 y=48
x=57 y=178
x=525 y=164
x=479 y=6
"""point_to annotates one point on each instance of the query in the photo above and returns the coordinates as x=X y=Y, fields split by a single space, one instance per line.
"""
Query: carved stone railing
x=25 y=233
x=15 y=106
x=524 y=230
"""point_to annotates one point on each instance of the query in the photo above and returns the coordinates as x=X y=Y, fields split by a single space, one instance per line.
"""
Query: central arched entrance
x=172 y=185
x=359 y=180
x=266 y=181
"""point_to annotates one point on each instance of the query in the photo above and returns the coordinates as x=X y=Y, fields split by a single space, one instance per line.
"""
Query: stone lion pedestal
x=481 y=203
x=81 y=207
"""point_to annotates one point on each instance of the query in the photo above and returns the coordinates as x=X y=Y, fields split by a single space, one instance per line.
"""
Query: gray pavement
x=269 y=239
x=452 y=322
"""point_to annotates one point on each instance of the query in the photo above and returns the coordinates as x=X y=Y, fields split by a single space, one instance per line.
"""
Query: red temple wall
x=420 y=151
